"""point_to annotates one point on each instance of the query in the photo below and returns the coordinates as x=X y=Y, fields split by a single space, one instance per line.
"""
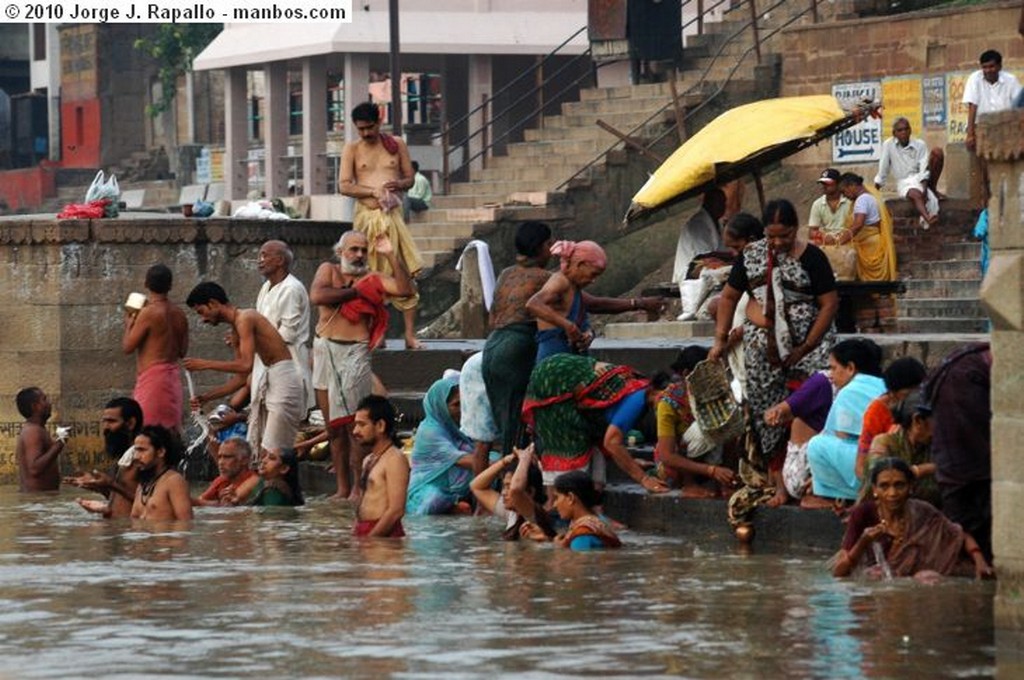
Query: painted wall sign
x=861 y=143
x=933 y=101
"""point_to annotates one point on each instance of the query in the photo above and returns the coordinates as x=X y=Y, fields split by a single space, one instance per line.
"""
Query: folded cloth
x=484 y=265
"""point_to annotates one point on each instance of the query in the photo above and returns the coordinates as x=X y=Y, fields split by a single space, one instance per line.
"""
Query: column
x=480 y=79
x=357 y=87
x=314 y=125
x=276 y=142
x=236 y=136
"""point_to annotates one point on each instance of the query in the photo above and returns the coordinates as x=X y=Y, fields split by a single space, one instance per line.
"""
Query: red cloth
x=212 y=492
x=363 y=527
x=390 y=143
x=369 y=302
x=158 y=391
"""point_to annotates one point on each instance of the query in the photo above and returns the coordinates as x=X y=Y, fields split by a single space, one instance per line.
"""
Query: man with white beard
x=352 y=322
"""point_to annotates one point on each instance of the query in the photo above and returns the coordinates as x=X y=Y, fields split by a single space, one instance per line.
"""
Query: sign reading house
x=861 y=143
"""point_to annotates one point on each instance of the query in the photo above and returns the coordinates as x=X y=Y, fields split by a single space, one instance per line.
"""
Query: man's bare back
x=252 y=327
x=158 y=332
x=167 y=499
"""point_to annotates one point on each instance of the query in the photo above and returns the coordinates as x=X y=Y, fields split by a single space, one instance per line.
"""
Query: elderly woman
x=911 y=441
x=855 y=368
x=870 y=231
x=579 y=410
x=913 y=538
x=788 y=332
x=442 y=455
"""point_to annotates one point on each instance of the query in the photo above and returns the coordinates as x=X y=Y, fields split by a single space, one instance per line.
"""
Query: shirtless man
x=36 y=451
x=352 y=321
x=159 y=332
x=374 y=170
x=278 y=404
x=561 y=306
x=120 y=423
x=163 y=493
x=385 y=477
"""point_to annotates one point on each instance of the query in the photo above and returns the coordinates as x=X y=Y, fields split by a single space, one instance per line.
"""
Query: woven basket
x=712 y=402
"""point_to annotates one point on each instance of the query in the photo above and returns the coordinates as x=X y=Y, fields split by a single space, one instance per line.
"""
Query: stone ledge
x=1001 y=135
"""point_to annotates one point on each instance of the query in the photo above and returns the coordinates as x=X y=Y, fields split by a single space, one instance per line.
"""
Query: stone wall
x=64 y=284
x=1001 y=140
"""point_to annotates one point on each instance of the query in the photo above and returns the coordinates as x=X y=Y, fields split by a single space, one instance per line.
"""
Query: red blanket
x=370 y=302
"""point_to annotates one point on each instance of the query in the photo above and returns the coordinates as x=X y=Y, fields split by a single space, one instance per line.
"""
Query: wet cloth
x=484 y=266
x=349 y=376
x=566 y=403
x=221 y=482
x=158 y=391
x=363 y=527
x=832 y=454
x=376 y=223
x=508 y=357
x=551 y=341
x=272 y=495
x=436 y=482
x=277 y=407
x=590 y=533
x=930 y=542
x=477 y=419
x=368 y=307
x=797 y=283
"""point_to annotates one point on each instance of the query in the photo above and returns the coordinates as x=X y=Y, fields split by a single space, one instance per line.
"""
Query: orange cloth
x=877 y=420
x=370 y=302
x=158 y=391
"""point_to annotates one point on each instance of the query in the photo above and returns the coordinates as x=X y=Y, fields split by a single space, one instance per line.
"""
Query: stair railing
x=698 y=86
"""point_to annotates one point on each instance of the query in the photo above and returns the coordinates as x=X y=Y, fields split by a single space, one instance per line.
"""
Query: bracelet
x=632 y=303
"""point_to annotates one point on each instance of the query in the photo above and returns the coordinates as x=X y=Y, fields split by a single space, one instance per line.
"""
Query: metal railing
x=698 y=86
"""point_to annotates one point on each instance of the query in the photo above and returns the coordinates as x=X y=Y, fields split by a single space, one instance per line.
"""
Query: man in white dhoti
x=915 y=169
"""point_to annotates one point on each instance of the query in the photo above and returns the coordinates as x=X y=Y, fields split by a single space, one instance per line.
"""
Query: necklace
x=149 y=487
x=369 y=464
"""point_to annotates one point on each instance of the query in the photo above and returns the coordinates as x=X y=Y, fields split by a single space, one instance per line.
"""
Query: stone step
x=476 y=214
x=941 y=269
x=572 y=159
x=943 y=288
x=924 y=325
x=443 y=243
x=432 y=257
x=643 y=90
x=554 y=148
x=624 y=122
x=453 y=201
x=591 y=132
x=440 y=229
x=940 y=308
x=540 y=173
x=602 y=107
x=492 y=187
x=669 y=330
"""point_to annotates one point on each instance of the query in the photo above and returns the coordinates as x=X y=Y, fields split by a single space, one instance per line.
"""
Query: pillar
x=314 y=125
x=357 y=88
x=276 y=117
x=236 y=136
x=480 y=79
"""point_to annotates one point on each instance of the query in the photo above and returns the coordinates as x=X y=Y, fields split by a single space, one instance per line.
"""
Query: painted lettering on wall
x=933 y=101
x=901 y=98
x=863 y=142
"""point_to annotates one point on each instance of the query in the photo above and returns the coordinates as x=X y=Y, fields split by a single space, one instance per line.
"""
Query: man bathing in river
x=36 y=451
x=120 y=423
x=385 y=477
x=163 y=493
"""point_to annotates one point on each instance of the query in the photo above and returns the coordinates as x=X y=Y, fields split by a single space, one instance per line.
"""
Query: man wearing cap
x=830 y=211
x=915 y=170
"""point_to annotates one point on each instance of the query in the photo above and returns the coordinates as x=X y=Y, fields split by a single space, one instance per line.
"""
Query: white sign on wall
x=861 y=143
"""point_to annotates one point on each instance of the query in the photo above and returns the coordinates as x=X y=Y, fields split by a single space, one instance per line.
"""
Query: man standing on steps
x=375 y=171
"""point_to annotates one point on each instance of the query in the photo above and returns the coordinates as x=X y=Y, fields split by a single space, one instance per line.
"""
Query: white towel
x=486 y=267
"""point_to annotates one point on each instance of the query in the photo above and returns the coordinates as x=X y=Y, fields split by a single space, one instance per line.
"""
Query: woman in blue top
x=574 y=500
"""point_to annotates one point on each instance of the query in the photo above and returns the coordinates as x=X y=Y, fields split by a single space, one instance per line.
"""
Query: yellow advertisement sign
x=956 y=113
x=901 y=98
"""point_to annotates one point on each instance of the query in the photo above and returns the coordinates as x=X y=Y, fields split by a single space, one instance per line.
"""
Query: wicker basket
x=712 y=402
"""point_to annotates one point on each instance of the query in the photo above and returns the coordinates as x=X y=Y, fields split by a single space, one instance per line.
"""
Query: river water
x=289 y=593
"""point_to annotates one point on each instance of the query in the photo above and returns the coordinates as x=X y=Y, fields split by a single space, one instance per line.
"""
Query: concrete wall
x=64 y=284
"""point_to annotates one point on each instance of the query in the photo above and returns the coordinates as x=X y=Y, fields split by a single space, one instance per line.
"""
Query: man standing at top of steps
x=375 y=171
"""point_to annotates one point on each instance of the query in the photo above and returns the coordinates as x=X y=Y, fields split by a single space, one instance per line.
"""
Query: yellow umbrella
x=741 y=141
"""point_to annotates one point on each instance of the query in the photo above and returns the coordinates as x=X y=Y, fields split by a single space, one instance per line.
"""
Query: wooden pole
x=700 y=17
x=630 y=142
x=814 y=11
x=538 y=83
x=680 y=122
x=485 y=128
x=753 y=25
x=760 y=189
x=396 y=71
x=445 y=169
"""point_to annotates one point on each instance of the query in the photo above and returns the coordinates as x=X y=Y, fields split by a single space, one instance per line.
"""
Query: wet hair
x=241 y=446
x=851 y=178
x=26 y=399
x=914 y=405
x=530 y=236
x=990 y=55
x=205 y=292
x=891 y=463
x=661 y=380
x=367 y=112
x=162 y=438
x=380 y=408
x=780 y=211
x=129 y=408
x=745 y=226
x=291 y=478
x=159 y=279
x=903 y=373
x=581 y=485
x=865 y=354
x=689 y=357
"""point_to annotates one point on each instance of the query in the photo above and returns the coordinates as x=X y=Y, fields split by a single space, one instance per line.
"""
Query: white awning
x=420 y=33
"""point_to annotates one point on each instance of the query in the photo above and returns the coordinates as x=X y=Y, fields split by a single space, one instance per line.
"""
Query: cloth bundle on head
x=584 y=251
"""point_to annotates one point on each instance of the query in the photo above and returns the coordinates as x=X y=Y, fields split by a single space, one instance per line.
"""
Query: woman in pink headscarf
x=561 y=306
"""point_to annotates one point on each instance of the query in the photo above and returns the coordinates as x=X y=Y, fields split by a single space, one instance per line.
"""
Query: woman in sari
x=910 y=440
x=521 y=498
x=913 y=538
x=579 y=409
x=511 y=348
x=277 y=483
x=788 y=332
x=575 y=497
x=870 y=230
x=855 y=369
x=442 y=455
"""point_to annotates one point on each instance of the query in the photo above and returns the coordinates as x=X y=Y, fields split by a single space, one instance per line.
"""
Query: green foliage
x=174 y=46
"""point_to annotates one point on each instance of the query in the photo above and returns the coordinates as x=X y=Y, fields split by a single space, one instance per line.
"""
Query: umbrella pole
x=760 y=188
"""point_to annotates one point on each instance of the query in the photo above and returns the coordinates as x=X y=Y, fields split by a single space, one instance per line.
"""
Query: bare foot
x=340 y=497
x=779 y=499
x=812 y=502
x=413 y=343
x=696 y=491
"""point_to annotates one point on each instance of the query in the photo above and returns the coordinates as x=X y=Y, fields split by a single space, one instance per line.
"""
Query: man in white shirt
x=283 y=300
x=418 y=198
x=915 y=170
x=987 y=90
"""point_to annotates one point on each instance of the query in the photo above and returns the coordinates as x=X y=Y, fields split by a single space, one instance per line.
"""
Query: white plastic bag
x=105 y=188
